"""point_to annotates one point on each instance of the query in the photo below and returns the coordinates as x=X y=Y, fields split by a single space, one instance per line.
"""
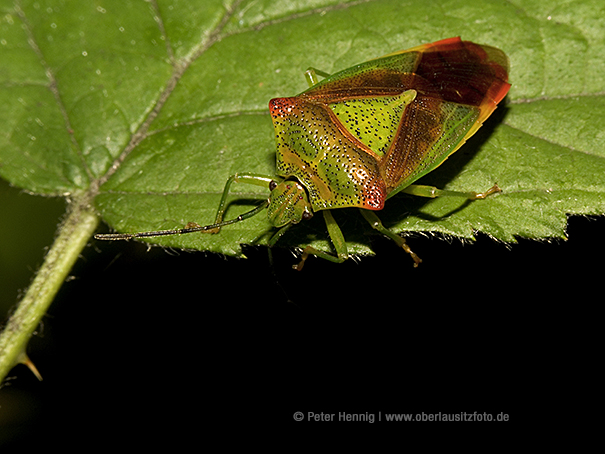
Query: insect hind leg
x=433 y=192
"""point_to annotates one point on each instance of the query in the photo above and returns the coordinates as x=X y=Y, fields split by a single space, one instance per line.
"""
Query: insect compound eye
x=272 y=185
x=307 y=215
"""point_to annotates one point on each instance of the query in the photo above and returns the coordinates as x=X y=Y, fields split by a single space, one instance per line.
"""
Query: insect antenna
x=190 y=228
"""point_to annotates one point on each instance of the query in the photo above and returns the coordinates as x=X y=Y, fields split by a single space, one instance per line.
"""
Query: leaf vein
x=52 y=86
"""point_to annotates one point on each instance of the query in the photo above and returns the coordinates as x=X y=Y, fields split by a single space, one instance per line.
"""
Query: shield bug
x=362 y=135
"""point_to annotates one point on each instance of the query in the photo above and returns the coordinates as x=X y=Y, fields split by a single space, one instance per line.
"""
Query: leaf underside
x=162 y=101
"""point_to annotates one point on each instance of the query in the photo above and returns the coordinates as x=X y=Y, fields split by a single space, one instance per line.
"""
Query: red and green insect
x=362 y=135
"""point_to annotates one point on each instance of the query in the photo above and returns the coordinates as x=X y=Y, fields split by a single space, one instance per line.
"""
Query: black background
x=163 y=341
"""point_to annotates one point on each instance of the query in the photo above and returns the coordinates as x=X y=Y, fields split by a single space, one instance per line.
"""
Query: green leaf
x=148 y=107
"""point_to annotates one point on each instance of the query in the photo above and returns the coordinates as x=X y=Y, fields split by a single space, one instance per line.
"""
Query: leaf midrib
x=180 y=66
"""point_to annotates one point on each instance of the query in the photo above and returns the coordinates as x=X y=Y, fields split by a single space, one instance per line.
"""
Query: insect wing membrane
x=460 y=84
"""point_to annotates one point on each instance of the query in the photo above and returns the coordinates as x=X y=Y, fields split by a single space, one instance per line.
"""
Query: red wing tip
x=502 y=92
x=424 y=47
x=455 y=39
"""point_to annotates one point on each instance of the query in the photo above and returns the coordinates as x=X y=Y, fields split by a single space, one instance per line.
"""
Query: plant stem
x=73 y=234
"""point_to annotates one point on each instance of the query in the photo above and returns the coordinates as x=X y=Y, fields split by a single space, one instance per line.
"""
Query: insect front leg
x=376 y=224
x=338 y=240
x=249 y=178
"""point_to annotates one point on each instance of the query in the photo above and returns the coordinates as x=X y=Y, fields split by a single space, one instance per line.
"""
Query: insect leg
x=432 y=192
x=311 y=76
x=377 y=224
x=277 y=235
x=338 y=240
x=249 y=178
